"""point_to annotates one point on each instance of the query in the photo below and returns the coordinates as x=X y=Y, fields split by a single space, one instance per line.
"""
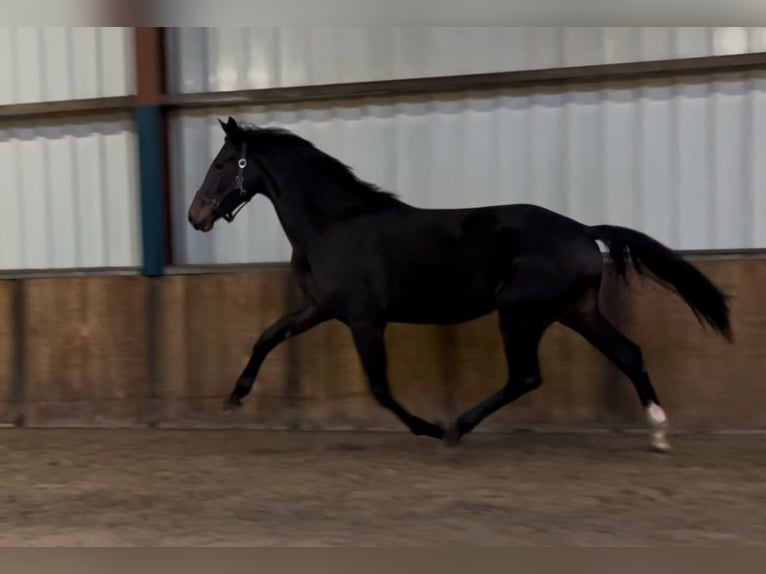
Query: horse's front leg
x=369 y=342
x=292 y=323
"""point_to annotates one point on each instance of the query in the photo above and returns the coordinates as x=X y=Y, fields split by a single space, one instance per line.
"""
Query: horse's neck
x=288 y=201
x=303 y=220
x=298 y=233
x=304 y=212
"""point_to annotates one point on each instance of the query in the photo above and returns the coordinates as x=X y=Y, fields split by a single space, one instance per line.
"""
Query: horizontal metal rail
x=525 y=79
x=66 y=108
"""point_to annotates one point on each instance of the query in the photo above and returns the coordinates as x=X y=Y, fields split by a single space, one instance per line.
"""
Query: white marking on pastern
x=658 y=422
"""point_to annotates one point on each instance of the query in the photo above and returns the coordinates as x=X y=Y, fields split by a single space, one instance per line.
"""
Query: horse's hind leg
x=521 y=336
x=626 y=355
x=526 y=308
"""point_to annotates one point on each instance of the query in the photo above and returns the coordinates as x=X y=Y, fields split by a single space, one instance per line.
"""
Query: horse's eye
x=218 y=166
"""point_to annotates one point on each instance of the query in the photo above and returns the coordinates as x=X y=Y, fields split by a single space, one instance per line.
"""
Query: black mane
x=342 y=176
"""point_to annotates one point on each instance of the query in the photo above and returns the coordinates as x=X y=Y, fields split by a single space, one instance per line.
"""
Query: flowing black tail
x=668 y=269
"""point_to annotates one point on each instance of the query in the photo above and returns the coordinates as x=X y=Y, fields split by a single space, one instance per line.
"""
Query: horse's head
x=229 y=184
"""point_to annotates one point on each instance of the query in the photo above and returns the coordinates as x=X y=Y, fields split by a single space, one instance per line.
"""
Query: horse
x=364 y=257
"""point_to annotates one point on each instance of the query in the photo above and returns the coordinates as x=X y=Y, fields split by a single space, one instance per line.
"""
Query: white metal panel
x=218 y=59
x=756 y=151
x=61 y=63
x=680 y=160
x=71 y=196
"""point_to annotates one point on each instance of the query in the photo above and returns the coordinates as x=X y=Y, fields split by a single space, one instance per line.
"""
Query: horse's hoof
x=452 y=437
x=231 y=403
x=440 y=432
x=449 y=452
x=659 y=443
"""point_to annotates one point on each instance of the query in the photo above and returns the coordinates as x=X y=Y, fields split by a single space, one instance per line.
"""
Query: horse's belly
x=437 y=302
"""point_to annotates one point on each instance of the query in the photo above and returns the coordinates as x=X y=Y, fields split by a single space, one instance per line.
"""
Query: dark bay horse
x=365 y=258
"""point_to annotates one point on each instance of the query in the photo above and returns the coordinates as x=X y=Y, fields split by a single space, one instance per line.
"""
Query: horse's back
x=437 y=266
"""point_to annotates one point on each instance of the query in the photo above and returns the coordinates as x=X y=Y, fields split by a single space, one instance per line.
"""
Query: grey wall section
x=71 y=195
x=71 y=184
x=62 y=63
x=681 y=159
x=221 y=59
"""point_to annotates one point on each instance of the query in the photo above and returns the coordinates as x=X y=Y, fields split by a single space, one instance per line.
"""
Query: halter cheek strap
x=239 y=187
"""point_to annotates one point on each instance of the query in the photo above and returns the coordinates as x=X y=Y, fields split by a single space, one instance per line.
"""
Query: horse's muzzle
x=201 y=217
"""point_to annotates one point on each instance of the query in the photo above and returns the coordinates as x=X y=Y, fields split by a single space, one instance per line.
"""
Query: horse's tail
x=651 y=258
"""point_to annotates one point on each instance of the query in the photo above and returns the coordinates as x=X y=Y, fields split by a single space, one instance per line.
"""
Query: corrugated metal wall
x=221 y=59
x=71 y=191
x=70 y=194
x=45 y=64
x=685 y=156
x=682 y=161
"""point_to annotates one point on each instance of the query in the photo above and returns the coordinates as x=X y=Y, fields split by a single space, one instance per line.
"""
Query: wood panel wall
x=77 y=351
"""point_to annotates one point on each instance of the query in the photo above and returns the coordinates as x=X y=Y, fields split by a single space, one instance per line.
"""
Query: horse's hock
x=116 y=350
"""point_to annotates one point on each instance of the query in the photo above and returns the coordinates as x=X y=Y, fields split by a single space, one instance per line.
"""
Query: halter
x=239 y=187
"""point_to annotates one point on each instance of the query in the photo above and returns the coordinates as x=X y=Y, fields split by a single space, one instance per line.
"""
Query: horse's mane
x=341 y=176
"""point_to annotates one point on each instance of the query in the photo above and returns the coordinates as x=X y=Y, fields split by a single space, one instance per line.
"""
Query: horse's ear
x=231 y=129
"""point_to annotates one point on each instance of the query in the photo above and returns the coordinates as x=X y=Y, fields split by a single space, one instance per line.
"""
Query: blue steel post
x=152 y=153
x=148 y=118
x=152 y=158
